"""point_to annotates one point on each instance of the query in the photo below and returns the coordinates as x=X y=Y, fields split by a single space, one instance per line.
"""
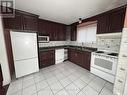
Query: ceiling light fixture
x=80 y=20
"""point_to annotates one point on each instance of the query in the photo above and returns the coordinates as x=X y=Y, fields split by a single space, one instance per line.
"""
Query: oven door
x=104 y=63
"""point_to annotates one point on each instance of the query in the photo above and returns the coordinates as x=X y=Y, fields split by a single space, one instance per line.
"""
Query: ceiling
x=67 y=11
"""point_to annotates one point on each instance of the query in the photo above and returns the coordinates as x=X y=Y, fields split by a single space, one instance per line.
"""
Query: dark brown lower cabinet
x=81 y=58
x=46 y=58
x=86 y=60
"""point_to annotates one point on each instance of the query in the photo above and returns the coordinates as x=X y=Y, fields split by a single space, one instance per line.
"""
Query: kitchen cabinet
x=46 y=58
x=81 y=58
x=21 y=21
x=30 y=22
x=73 y=32
x=55 y=31
x=103 y=24
x=117 y=20
x=72 y=55
x=13 y=23
x=86 y=60
x=111 y=22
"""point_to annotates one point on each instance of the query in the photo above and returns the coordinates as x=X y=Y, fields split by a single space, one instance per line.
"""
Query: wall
x=3 y=57
x=125 y=26
x=125 y=90
x=121 y=74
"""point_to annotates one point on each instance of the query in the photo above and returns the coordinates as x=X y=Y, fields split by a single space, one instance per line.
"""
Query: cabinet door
x=54 y=32
x=14 y=23
x=46 y=55
x=117 y=21
x=41 y=28
x=103 y=24
x=75 y=56
x=30 y=22
x=73 y=32
x=79 y=58
x=86 y=60
x=46 y=58
x=46 y=63
x=61 y=33
x=70 y=55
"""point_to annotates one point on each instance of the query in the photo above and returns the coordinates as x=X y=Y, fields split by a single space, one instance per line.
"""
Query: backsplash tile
x=54 y=43
x=109 y=44
x=61 y=43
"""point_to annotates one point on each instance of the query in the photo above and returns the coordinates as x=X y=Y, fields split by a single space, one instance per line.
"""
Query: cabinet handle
x=120 y=81
x=122 y=69
x=125 y=42
x=124 y=55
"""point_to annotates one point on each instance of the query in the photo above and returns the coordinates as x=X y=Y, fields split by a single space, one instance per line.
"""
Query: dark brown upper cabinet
x=22 y=21
x=112 y=22
x=103 y=24
x=13 y=23
x=30 y=23
x=73 y=32
x=55 y=31
x=117 y=20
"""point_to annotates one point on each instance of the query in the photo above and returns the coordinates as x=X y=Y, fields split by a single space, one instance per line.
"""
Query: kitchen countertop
x=80 y=48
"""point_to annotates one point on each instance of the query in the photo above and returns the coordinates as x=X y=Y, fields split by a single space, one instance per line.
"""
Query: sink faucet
x=82 y=44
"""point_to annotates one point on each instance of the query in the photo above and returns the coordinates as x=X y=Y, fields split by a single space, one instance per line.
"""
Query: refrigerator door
x=24 y=45
x=25 y=53
x=26 y=67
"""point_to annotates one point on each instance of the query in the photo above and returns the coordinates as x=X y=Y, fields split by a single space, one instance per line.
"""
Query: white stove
x=104 y=64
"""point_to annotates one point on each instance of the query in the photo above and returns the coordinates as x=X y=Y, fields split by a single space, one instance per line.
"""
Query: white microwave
x=43 y=39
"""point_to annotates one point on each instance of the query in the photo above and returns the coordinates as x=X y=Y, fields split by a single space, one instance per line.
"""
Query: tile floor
x=62 y=79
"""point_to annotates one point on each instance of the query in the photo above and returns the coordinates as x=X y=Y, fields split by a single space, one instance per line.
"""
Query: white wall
x=125 y=89
x=3 y=57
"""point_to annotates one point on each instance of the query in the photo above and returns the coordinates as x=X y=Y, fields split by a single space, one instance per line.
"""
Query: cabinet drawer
x=119 y=85
x=43 y=55
x=46 y=54
x=46 y=63
x=121 y=72
x=46 y=57
x=124 y=47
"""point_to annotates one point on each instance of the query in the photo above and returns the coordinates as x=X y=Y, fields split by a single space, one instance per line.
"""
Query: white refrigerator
x=25 y=53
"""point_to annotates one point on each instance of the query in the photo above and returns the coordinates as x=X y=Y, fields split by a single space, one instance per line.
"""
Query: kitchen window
x=87 y=33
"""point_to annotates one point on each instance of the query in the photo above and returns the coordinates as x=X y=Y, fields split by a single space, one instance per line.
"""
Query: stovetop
x=107 y=53
x=113 y=54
